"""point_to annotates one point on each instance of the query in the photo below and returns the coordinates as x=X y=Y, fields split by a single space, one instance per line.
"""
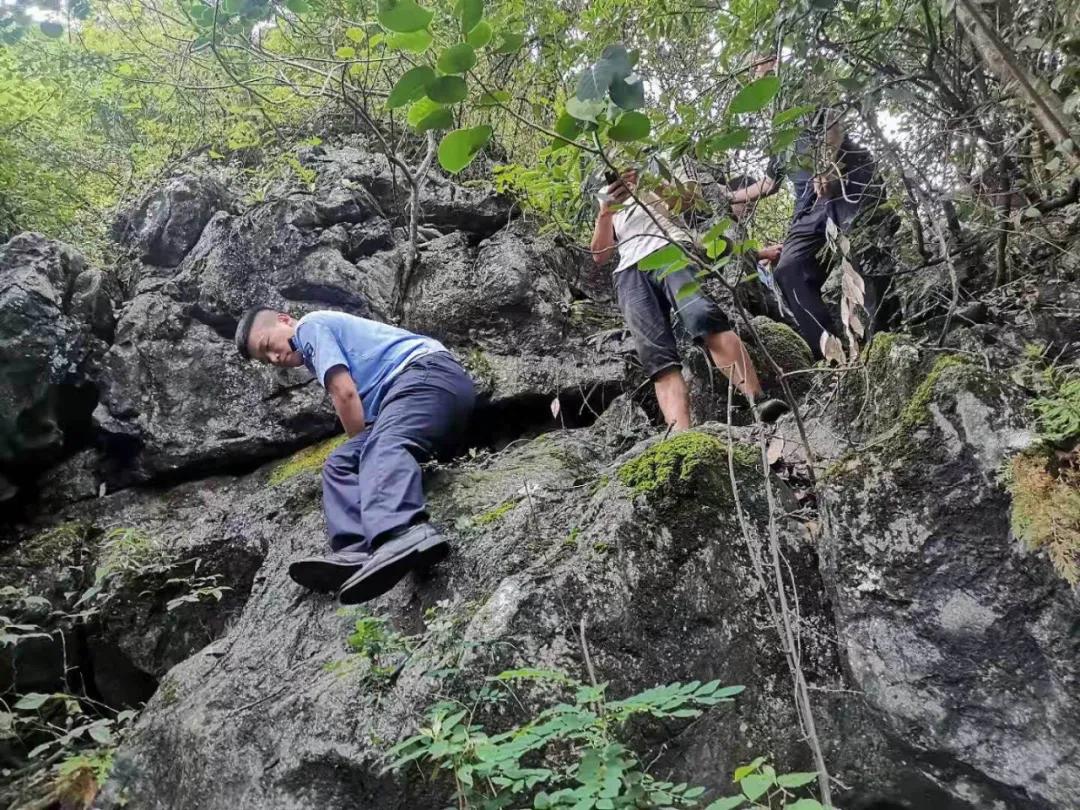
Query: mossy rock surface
x=787 y=349
x=678 y=463
x=310 y=459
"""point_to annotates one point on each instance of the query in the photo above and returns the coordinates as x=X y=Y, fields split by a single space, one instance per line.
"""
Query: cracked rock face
x=56 y=317
x=959 y=638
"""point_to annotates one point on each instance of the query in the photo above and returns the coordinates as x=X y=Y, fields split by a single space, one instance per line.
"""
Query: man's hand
x=618 y=192
x=822 y=186
x=771 y=254
x=346 y=399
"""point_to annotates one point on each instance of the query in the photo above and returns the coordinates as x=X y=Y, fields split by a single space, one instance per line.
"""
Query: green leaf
x=628 y=93
x=469 y=12
x=493 y=99
x=413 y=41
x=51 y=29
x=232 y=6
x=745 y=770
x=567 y=126
x=783 y=139
x=755 y=95
x=426 y=114
x=457 y=58
x=402 y=16
x=594 y=81
x=731 y=691
x=410 y=86
x=584 y=110
x=447 y=89
x=792 y=114
x=458 y=148
x=726 y=141
x=805 y=804
x=631 y=126
x=345 y=52
x=687 y=289
x=509 y=42
x=355 y=34
x=794 y=780
x=102 y=734
x=297 y=6
x=728 y=803
x=31 y=700
x=479 y=36
x=755 y=784
x=663 y=258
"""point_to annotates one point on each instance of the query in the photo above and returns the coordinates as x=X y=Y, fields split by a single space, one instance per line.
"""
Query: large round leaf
x=426 y=114
x=469 y=12
x=584 y=110
x=755 y=95
x=480 y=35
x=51 y=29
x=594 y=81
x=297 y=6
x=447 y=89
x=569 y=128
x=410 y=86
x=628 y=93
x=458 y=148
x=403 y=16
x=631 y=126
x=413 y=42
x=457 y=58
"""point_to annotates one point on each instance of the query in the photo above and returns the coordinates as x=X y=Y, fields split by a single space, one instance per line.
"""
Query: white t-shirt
x=637 y=235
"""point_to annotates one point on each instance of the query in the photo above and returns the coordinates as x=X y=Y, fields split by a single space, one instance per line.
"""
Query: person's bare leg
x=729 y=354
x=674 y=398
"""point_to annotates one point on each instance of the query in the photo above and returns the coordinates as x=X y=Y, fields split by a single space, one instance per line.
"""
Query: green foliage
x=458 y=148
x=917 y=410
x=569 y=755
x=308 y=460
x=376 y=650
x=1058 y=409
x=671 y=464
x=762 y=787
x=755 y=96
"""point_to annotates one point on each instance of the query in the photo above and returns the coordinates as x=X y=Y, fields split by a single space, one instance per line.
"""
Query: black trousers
x=801 y=273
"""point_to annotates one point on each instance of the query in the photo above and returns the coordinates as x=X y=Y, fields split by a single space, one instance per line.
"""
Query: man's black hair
x=243 y=329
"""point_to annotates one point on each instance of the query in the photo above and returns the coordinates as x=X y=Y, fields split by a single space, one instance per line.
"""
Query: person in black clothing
x=840 y=184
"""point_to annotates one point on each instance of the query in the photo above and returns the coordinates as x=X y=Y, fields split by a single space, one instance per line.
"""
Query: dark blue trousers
x=372 y=483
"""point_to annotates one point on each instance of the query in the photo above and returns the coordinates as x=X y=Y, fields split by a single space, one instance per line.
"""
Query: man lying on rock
x=648 y=298
x=402 y=399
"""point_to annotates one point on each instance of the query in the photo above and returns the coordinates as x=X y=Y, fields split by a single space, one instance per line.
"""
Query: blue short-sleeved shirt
x=373 y=352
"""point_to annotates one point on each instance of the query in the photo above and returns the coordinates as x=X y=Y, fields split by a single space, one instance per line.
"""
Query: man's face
x=269 y=342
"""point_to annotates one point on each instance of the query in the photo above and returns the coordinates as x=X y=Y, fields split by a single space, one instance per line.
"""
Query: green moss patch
x=495 y=514
x=674 y=461
x=917 y=410
x=310 y=459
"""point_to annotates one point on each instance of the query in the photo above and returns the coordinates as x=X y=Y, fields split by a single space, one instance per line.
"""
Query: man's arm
x=346 y=399
x=603 y=239
x=762 y=188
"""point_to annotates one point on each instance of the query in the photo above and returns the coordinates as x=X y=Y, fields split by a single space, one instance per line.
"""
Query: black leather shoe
x=418 y=546
x=328 y=573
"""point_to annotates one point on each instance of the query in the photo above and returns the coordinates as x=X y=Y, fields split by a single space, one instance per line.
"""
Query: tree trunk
x=1044 y=104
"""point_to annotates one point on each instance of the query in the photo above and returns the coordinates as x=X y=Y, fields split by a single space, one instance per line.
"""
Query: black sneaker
x=418 y=546
x=772 y=409
x=328 y=573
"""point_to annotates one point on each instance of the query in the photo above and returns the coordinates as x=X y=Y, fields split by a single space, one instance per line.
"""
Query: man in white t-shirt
x=648 y=301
